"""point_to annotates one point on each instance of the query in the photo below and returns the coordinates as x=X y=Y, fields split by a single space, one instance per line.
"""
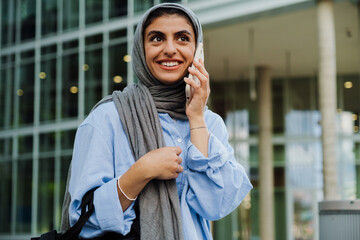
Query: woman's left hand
x=198 y=102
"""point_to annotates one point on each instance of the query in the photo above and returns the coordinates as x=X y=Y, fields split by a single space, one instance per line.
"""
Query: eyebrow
x=155 y=32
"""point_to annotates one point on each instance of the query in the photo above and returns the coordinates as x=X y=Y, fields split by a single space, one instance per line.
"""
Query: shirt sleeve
x=217 y=183
x=93 y=166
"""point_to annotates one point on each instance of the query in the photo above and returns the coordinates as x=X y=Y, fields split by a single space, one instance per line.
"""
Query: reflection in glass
x=28 y=10
x=47 y=89
x=25 y=93
x=23 y=193
x=5 y=199
x=93 y=76
x=46 y=195
x=70 y=14
x=69 y=80
x=48 y=16
x=117 y=8
x=93 y=11
x=117 y=68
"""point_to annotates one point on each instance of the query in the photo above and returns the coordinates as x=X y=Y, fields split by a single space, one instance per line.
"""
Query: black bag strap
x=87 y=208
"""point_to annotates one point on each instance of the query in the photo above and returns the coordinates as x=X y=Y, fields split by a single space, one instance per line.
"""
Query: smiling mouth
x=169 y=64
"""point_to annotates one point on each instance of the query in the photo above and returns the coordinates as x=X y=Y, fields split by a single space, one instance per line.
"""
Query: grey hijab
x=138 y=106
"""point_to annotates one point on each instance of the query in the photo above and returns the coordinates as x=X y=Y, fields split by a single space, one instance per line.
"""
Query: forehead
x=170 y=22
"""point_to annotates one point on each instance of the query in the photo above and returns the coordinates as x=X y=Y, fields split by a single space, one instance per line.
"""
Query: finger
x=177 y=150
x=180 y=169
x=196 y=72
x=201 y=67
x=179 y=160
x=192 y=82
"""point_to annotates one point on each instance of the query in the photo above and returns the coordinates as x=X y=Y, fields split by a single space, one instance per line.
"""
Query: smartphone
x=199 y=54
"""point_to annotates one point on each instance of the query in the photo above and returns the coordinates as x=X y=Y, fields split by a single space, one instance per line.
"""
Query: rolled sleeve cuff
x=108 y=209
x=217 y=156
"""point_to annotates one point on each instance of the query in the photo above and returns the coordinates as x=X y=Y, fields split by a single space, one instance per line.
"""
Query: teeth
x=169 y=64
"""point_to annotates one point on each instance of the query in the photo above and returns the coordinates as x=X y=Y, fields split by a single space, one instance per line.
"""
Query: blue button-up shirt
x=209 y=188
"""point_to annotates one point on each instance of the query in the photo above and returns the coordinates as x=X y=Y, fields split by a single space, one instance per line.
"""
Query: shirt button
x=179 y=140
x=185 y=172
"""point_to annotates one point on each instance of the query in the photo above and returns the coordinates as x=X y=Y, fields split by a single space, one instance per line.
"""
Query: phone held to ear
x=199 y=54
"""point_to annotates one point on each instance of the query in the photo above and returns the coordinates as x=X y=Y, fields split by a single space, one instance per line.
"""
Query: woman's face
x=169 y=43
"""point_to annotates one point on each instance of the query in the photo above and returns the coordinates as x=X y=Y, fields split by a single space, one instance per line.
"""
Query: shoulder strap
x=87 y=208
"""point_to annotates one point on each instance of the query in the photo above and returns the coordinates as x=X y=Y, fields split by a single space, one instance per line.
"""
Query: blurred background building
x=59 y=57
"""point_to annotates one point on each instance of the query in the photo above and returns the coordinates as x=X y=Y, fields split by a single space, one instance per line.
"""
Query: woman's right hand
x=163 y=163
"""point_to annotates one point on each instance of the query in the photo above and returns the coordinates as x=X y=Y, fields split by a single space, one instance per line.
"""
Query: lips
x=170 y=64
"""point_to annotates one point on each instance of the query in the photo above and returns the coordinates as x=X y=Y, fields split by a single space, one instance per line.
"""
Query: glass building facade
x=59 y=57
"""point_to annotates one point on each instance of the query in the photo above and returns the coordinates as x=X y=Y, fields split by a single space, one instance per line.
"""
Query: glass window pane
x=5 y=193
x=3 y=92
x=302 y=94
x=48 y=16
x=69 y=101
x=25 y=144
x=47 y=89
x=5 y=148
x=6 y=97
x=349 y=87
x=70 y=14
x=23 y=200
x=279 y=153
x=93 y=76
x=28 y=10
x=47 y=142
x=25 y=93
x=117 y=69
x=46 y=195
x=278 y=106
x=93 y=39
x=67 y=139
x=118 y=34
x=142 y=5
x=4 y=21
x=117 y=8
x=93 y=11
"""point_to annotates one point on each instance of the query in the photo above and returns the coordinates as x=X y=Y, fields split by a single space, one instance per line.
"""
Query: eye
x=155 y=39
x=183 y=38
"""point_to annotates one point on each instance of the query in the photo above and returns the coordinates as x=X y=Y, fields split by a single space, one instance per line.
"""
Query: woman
x=143 y=145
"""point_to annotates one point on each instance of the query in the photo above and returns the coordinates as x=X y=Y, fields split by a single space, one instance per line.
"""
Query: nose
x=169 y=48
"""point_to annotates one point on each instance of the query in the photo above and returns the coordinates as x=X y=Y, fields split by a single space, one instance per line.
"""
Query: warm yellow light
x=348 y=84
x=74 y=89
x=42 y=75
x=127 y=58
x=355 y=117
x=117 y=79
x=356 y=129
x=20 y=92
x=85 y=67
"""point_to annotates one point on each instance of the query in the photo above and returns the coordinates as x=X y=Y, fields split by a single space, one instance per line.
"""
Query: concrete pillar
x=266 y=176
x=327 y=95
